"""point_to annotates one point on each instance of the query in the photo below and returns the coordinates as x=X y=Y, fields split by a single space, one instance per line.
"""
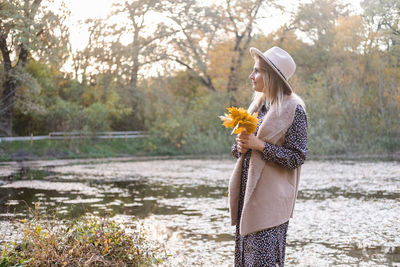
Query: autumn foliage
x=240 y=119
x=348 y=73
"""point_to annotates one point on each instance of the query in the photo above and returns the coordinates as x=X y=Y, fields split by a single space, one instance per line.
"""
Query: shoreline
x=144 y=149
x=333 y=157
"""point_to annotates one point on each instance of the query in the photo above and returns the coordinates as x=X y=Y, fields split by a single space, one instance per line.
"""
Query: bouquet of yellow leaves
x=240 y=119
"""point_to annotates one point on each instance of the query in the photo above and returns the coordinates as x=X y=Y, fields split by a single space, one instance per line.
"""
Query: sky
x=84 y=9
x=81 y=10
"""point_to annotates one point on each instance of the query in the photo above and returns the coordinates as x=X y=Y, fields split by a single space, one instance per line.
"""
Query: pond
x=347 y=212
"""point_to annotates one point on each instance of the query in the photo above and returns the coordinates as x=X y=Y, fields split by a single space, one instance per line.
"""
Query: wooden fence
x=77 y=135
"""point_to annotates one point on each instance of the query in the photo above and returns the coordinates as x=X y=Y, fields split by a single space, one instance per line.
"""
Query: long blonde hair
x=274 y=88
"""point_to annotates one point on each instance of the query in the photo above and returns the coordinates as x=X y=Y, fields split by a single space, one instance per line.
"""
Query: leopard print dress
x=267 y=247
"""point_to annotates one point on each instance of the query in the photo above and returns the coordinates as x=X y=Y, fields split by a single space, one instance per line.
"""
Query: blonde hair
x=274 y=88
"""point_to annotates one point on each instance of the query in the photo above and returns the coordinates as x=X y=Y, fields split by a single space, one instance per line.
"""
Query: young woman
x=264 y=183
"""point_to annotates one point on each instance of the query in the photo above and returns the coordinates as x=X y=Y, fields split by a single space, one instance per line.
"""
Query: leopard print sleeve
x=293 y=152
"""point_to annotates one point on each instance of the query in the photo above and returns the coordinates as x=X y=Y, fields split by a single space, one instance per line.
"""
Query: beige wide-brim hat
x=279 y=60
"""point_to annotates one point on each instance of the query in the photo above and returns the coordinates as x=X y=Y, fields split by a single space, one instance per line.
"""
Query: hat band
x=277 y=68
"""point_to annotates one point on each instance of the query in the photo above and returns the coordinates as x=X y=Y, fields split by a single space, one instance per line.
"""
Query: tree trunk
x=208 y=83
x=232 y=82
x=236 y=64
x=9 y=87
x=7 y=106
x=242 y=43
x=232 y=79
x=380 y=96
x=134 y=77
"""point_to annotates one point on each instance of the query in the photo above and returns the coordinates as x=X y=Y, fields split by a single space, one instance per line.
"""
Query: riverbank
x=140 y=149
x=86 y=148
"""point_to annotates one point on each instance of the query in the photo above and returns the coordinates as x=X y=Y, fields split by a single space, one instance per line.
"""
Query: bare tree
x=199 y=29
x=240 y=18
x=109 y=53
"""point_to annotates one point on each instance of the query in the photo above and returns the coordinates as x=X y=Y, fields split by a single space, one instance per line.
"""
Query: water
x=347 y=213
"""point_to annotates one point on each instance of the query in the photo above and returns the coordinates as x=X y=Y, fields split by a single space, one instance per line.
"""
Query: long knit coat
x=271 y=189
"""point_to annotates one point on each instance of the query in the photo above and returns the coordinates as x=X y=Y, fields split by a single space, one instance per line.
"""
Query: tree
x=383 y=59
x=240 y=18
x=107 y=53
x=198 y=30
x=27 y=29
x=96 y=58
x=121 y=52
x=202 y=28
x=317 y=19
x=144 y=45
x=383 y=18
x=385 y=14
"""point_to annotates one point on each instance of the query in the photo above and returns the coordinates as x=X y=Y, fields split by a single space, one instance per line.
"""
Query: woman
x=264 y=183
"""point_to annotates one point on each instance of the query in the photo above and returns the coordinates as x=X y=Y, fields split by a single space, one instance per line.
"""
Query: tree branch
x=149 y=41
x=207 y=82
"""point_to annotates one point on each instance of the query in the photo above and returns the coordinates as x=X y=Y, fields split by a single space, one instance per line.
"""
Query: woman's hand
x=241 y=140
x=247 y=141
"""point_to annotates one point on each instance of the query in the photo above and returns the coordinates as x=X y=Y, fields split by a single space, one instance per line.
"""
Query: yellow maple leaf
x=240 y=119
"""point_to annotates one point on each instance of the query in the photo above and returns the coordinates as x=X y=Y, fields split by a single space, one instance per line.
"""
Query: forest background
x=174 y=77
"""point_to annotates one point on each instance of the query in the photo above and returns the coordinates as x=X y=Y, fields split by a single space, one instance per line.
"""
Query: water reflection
x=347 y=213
x=139 y=198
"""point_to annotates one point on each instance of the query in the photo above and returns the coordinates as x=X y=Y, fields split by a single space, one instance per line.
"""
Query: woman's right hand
x=239 y=139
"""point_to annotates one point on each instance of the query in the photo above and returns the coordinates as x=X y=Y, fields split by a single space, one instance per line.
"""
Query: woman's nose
x=251 y=76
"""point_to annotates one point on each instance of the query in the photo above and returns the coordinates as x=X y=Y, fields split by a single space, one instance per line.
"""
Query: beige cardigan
x=271 y=189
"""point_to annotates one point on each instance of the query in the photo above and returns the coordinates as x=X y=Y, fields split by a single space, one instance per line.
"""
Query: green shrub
x=189 y=126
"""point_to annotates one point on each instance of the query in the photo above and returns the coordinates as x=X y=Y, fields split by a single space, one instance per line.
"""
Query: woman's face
x=257 y=77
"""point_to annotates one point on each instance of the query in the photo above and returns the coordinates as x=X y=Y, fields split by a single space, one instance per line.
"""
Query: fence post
x=31 y=139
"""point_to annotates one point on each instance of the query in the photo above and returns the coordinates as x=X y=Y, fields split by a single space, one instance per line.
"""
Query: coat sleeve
x=293 y=152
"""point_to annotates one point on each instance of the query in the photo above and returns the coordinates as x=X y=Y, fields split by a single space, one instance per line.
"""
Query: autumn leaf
x=240 y=119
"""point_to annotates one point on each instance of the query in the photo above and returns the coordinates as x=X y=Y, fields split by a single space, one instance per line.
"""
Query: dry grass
x=88 y=241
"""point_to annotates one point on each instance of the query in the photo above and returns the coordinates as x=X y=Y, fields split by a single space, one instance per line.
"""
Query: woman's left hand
x=249 y=141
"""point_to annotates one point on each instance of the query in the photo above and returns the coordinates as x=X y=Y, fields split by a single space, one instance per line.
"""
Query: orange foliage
x=240 y=119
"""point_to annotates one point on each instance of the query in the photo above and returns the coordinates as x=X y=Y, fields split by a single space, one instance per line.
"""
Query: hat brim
x=254 y=51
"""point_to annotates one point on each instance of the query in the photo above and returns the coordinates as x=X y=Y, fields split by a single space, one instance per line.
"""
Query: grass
x=154 y=146
x=28 y=174
x=87 y=241
x=87 y=148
